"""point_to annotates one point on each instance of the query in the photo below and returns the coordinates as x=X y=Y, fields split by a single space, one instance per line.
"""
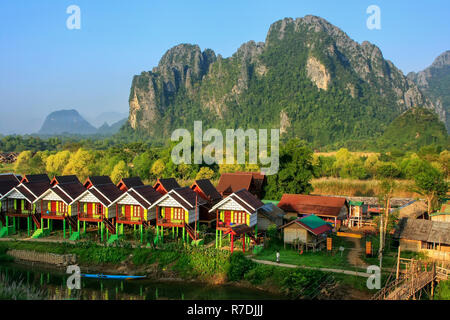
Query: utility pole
x=380 y=251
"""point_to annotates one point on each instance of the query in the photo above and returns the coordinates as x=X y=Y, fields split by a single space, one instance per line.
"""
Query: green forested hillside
x=308 y=78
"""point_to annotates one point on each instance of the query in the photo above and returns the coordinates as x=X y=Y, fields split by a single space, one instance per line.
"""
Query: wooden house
x=330 y=209
x=232 y=182
x=18 y=204
x=134 y=207
x=178 y=209
x=356 y=216
x=205 y=189
x=443 y=214
x=269 y=215
x=163 y=186
x=58 y=203
x=238 y=209
x=127 y=183
x=309 y=232
x=95 y=205
x=416 y=209
x=420 y=235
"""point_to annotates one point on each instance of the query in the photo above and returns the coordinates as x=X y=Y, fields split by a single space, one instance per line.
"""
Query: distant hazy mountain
x=107 y=129
x=434 y=81
x=66 y=121
x=71 y=122
x=110 y=118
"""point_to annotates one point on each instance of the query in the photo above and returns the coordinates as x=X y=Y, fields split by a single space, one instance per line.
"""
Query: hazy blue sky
x=46 y=67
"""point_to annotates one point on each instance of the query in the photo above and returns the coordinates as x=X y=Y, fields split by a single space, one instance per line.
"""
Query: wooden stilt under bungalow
x=58 y=203
x=19 y=205
x=238 y=211
x=133 y=208
x=95 y=206
x=178 y=210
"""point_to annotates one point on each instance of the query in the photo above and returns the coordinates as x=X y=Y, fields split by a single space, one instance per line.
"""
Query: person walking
x=278 y=256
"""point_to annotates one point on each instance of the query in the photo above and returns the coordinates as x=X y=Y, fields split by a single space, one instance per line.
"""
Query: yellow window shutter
x=107 y=213
x=248 y=219
x=145 y=214
x=171 y=213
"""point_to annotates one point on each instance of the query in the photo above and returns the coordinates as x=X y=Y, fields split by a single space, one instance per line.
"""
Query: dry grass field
x=353 y=187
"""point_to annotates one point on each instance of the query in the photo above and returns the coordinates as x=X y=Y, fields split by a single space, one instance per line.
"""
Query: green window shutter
x=15 y=204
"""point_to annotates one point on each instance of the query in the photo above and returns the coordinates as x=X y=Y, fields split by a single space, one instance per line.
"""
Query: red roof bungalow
x=309 y=232
x=96 y=205
x=163 y=186
x=58 y=203
x=237 y=215
x=179 y=208
x=205 y=189
x=133 y=207
x=330 y=209
x=127 y=183
x=232 y=182
x=18 y=203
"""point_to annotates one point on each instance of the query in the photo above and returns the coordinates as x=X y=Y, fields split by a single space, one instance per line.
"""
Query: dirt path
x=354 y=255
x=353 y=273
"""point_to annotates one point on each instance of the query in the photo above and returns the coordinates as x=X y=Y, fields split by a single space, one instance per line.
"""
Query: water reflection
x=54 y=285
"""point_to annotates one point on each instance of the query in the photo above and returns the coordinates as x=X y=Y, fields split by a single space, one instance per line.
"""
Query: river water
x=53 y=283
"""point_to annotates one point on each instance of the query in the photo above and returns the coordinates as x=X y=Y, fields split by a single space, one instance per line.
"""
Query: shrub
x=239 y=265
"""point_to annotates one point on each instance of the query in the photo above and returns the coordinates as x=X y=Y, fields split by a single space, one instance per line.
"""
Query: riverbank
x=177 y=263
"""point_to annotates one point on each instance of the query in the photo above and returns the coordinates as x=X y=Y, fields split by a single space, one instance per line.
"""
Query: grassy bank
x=201 y=264
x=360 y=188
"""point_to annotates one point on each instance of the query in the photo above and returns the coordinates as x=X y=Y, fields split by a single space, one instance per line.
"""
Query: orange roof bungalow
x=95 y=205
x=134 y=208
x=35 y=178
x=127 y=183
x=232 y=182
x=58 y=203
x=64 y=179
x=96 y=180
x=18 y=203
x=331 y=209
x=178 y=209
x=205 y=189
x=237 y=215
x=163 y=186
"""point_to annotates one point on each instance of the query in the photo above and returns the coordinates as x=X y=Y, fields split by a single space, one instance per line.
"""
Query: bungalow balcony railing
x=17 y=212
x=86 y=215
x=53 y=214
x=123 y=218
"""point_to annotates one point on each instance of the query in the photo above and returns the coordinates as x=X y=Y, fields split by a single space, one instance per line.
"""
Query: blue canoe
x=114 y=277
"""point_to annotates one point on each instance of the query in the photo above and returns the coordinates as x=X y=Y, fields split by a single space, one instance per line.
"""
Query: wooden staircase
x=36 y=219
x=3 y=218
x=110 y=226
x=191 y=232
x=72 y=222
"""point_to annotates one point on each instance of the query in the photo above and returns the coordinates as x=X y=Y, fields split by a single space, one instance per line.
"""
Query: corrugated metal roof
x=318 y=205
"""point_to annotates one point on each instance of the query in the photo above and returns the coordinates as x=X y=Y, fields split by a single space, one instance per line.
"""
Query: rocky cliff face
x=308 y=77
x=435 y=82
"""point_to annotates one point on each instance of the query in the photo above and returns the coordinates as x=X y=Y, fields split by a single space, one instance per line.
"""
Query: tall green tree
x=432 y=185
x=295 y=172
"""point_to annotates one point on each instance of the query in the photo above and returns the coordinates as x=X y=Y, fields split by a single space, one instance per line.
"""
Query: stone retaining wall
x=43 y=257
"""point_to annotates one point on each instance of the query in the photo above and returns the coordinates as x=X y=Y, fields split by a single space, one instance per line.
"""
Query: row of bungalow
x=234 y=207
